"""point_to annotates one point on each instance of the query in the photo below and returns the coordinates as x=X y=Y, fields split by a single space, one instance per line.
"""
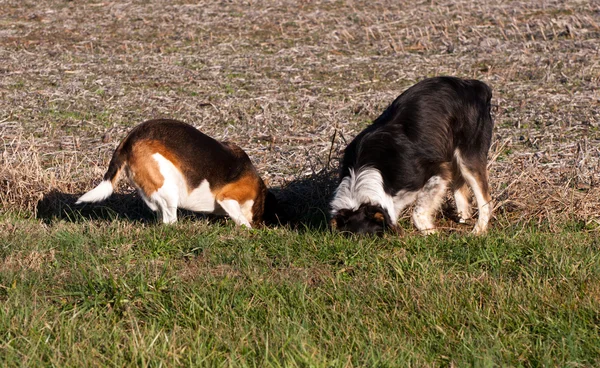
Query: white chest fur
x=200 y=199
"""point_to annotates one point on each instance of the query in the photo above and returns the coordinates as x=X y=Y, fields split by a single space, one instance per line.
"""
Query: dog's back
x=428 y=132
x=421 y=129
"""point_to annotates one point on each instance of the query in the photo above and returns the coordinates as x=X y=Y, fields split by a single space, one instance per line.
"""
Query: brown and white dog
x=438 y=132
x=173 y=165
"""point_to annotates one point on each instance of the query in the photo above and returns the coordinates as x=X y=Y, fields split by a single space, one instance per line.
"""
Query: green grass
x=124 y=293
x=292 y=85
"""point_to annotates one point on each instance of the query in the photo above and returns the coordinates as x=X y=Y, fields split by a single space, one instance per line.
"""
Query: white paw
x=429 y=231
x=479 y=230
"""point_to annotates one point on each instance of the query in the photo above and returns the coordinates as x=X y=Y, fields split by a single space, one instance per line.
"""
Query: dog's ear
x=381 y=216
x=377 y=214
x=271 y=201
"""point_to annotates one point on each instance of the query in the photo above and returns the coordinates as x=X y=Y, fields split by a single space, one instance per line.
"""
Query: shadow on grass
x=56 y=205
x=303 y=203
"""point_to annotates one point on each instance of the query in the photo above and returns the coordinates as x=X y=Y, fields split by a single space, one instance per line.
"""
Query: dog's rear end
x=436 y=133
x=469 y=163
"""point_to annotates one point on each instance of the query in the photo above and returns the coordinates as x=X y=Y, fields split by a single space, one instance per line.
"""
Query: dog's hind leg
x=157 y=183
x=461 y=197
x=150 y=203
x=475 y=174
x=166 y=199
x=429 y=201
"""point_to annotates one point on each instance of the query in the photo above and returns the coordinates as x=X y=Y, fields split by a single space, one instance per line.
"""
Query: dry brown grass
x=280 y=78
x=31 y=261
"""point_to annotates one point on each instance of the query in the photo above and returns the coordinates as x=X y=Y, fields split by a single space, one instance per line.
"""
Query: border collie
x=172 y=164
x=435 y=134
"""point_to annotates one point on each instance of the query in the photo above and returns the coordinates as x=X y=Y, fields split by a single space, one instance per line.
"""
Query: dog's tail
x=106 y=187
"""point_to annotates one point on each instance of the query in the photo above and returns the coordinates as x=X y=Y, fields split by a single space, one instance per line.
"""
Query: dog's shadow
x=302 y=204
x=56 y=205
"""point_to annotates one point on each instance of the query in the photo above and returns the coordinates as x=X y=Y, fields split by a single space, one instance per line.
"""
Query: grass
x=292 y=83
x=117 y=293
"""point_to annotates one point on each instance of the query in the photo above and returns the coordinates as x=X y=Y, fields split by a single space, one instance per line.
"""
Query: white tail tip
x=100 y=193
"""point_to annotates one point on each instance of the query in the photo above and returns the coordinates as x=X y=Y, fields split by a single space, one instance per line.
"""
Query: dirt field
x=292 y=81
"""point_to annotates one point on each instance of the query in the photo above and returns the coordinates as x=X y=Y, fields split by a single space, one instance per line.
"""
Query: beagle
x=173 y=165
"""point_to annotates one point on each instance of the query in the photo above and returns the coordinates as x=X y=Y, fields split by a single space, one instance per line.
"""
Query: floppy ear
x=377 y=214
x=384 y=219
x=271 y=201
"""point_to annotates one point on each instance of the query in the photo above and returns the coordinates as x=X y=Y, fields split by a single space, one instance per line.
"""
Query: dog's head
x=367 y=219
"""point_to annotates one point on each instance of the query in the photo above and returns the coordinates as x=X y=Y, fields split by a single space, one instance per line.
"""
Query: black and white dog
x=438 y=132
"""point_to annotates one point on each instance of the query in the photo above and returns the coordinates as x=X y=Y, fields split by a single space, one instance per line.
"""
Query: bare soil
x=292 y=82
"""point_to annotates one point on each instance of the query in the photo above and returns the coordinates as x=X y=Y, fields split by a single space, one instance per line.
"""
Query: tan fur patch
x=143 y=168
x=482 y=181
x=244 y=189
x=464 y=189
x=333 y=223
x=446 y=170
x=379 y=217
x=157 y=147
